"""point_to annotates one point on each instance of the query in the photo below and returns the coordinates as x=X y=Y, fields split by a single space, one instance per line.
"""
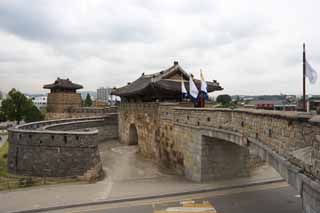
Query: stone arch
x=245 y=146
x=133 y=135
x=226 y=135
x=223 y=154
x=223 y=158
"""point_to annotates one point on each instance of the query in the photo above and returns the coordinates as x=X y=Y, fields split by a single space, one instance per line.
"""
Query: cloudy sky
x=250 y=47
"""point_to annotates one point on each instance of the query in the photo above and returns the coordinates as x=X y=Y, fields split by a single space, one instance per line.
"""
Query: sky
x=250 y=47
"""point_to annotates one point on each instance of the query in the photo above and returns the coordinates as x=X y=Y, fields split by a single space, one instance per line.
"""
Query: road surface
x=268 y=198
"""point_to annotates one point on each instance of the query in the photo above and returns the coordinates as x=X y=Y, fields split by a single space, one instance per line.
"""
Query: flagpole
x=181 y=88
x=304 y=77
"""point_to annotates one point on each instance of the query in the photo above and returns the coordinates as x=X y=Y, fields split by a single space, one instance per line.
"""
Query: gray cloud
x=250 y=47
x=26 y=20
x=41 y=21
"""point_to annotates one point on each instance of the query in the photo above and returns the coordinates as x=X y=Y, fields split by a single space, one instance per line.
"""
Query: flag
x=311 y=73
x=193 y=89
x=204 y=86
x=183 y=89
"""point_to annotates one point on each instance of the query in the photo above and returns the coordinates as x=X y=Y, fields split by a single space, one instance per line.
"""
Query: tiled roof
x=161 y=81
x=63 y=83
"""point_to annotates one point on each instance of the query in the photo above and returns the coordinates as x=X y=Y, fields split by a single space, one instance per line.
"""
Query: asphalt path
x=268 y=198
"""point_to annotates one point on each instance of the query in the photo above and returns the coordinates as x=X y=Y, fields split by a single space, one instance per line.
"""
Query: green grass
x=4 y=169
x=3 y=160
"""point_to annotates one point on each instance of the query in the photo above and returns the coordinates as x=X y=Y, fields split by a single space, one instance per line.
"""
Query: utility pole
x=304 y=77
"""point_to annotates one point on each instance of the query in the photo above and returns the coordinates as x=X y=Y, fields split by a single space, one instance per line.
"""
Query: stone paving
x=128 y=175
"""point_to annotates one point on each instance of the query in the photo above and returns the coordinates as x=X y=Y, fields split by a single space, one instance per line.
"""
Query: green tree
x=18 y=107
x=3 y=117
x=88 y=101
x=33 y=114
x=14 y=106
x=224 y=99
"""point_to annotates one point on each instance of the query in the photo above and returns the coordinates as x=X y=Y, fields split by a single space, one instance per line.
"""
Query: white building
x=40 y=101
x=104 y=94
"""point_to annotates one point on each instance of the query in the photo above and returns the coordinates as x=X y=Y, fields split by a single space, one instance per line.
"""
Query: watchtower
x=63 y=95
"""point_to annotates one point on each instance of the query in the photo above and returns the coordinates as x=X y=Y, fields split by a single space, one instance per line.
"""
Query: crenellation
x=178 y=129
x=202 y=144
x=59 y=148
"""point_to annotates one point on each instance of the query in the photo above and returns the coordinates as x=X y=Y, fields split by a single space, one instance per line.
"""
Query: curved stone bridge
x=208 y=144
x=60 y=148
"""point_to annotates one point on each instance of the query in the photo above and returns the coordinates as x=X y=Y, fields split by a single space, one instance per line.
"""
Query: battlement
x=60 y=148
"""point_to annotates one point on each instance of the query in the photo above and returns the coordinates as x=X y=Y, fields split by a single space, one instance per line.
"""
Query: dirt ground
x=123 y=163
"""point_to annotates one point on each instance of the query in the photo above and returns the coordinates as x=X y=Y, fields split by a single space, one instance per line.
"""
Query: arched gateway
x=207 y=143
x=133 y=135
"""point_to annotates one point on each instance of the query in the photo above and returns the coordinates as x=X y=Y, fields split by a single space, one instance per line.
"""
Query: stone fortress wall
x=80 y=112
x=201 y=143
x=60 y=148
x=145 y=118
x=209 y=144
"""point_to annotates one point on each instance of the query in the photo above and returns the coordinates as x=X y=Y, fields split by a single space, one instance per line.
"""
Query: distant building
x=40 y=101
x=63 y=96
x=104 y=94
x=273 y=104
x=313 y=104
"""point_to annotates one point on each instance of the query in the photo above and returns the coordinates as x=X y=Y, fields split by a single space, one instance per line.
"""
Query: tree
x=88 y=101
x=235 y=100
x=3 y=117
x=33 y=114
x=14 y=106
x=18 y=107
x=224 y=99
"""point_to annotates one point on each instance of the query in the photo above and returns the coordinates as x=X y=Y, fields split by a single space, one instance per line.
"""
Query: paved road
x=270 y=198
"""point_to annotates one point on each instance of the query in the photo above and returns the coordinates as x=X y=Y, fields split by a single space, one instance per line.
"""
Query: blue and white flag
x=183 y=89
x=193 y=89
x=311 y=73
x=204 y=86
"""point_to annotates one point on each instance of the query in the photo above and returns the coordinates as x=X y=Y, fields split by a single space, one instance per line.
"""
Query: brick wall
x=60 y=102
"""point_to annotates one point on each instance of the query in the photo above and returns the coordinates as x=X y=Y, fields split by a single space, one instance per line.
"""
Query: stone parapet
x=81 y=112
x=207 y=143
x=282 y=132
x=59 y=148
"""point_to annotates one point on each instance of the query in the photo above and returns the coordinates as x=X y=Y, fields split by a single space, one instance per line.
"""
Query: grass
x=3 y=133
x=8 y=181
x=3 y=160
x=4 y=178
